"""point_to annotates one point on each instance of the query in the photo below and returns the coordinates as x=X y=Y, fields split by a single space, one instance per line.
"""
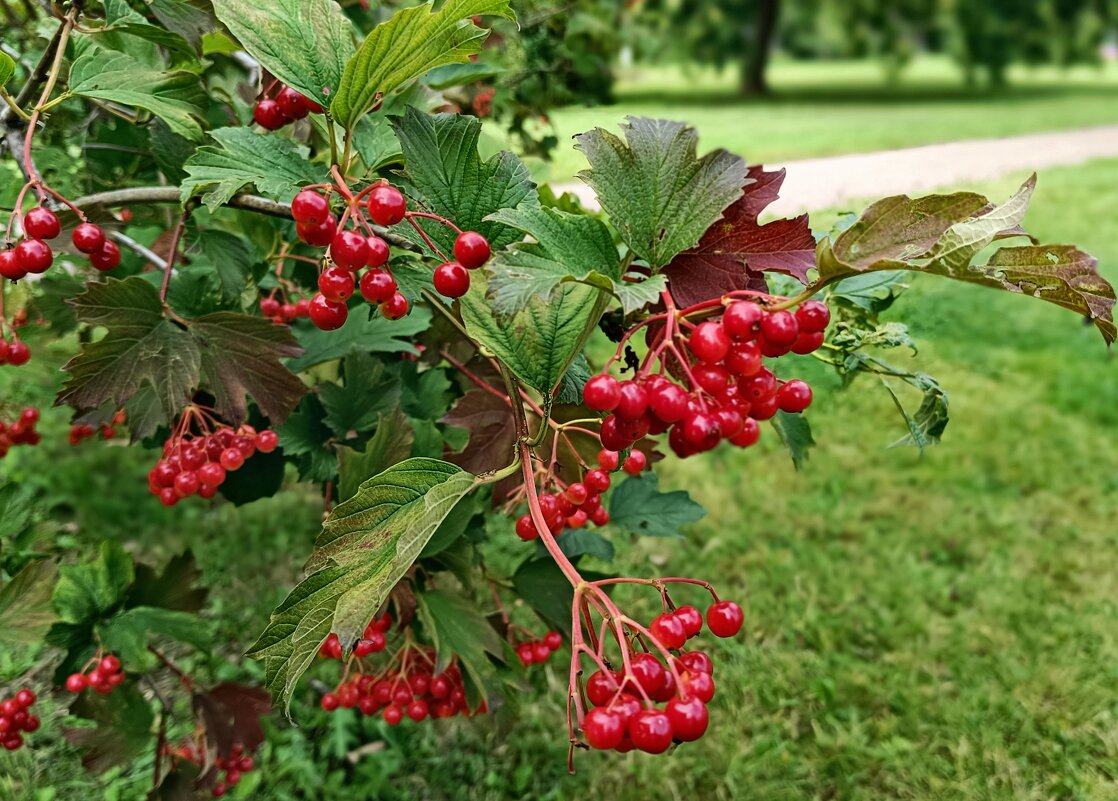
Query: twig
x=136 y=247
x=169 y=266
x=38 y=76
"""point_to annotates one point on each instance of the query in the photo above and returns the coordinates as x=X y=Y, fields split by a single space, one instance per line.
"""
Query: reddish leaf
x=489 y=420
x=736 y=250
x=229 y=714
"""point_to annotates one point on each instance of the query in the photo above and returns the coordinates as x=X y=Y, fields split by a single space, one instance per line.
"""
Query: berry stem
x=176 y=235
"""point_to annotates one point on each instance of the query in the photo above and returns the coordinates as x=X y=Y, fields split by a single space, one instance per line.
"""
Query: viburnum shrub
x=313 y=276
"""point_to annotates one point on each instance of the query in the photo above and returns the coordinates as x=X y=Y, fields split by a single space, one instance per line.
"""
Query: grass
x=926 y=627
x=822 y=109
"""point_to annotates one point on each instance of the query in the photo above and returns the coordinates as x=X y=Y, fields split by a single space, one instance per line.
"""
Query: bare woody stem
x=176 y=237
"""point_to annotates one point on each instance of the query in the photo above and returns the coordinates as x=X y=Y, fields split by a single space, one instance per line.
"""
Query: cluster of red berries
x=730 y=388
x=33 y=255
x=406 y=687
x=83 y=431
x=104 y=674
x=16 y=717
x=535 y=652
x=287 y=107
x=20 y=431
x=198 y=465
x=581 y=501
x=619 y=719
x=373 y=640
x=283 y=312
x=230 y=767
x=14 y=353
x=351 y=251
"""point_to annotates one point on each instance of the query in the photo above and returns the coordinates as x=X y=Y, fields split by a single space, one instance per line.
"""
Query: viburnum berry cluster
x=83 y=431
x=536 y=651
x=704 y=382
x=20 y=431
x=358 y=257
x=285 y=108
x=16 y=719
x=281 y=311
x=230 y=767
x=33 y=256
x=101 y=674
x=201 y=452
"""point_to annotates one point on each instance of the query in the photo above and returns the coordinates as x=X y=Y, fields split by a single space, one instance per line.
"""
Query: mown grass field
x=843 y=107
x=941 y=626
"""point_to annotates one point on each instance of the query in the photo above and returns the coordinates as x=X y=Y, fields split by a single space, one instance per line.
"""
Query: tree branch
x=136 y=247
x=38 y=76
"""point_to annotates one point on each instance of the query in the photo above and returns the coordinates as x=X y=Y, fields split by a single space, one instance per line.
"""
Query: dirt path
x=832 y=181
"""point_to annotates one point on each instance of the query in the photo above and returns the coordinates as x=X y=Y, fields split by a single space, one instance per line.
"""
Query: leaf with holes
x=405 y=46
x=736 y=251
x=367 y=544
x=658 y=193
x=303 y=43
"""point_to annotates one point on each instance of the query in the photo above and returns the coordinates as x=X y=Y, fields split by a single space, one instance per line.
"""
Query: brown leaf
x=229 y=714
x=489 y=420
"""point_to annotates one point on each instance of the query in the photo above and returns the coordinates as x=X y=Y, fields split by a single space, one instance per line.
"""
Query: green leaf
x=376 y=143
x=304 y=43
x=260 y=477
x=458 y=629
x=140 y=348
x=539 y=343
x=408 y=44
x=277 y=167
x=360 y=334
x=175 y=588
x=15 y=509
x=574 y=380
x=229 y=256
x=306 y=435
x=795 y=433
x=451 y=75
x=391 y=443
x=368 y=392
x=578 y=542
x=941 y=235
x=456 y=524
x=7 y=68
x=120 y=16
x=542 y=584
x=179 y=16
x=176 y=97
x=638 y=506
x=659 y=195
x=84 y=593
x=26 y=611
x=123 y=728
x=447 y=176
x=126 y=634
x=367 y=544
x=927 y=424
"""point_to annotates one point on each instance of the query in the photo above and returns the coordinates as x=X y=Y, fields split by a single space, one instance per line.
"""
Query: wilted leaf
x=230 y=715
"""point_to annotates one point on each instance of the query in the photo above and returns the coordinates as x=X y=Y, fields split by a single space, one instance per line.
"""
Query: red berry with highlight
x=387 y=205
x=451 y=280
x=602 y=393
x=709 y=342
x=336 y=283
x=471 y=249
x=326 y=314
x=603 y=729
x=651 y=731
x=107 y=257
x=40 y=223
x=269 y=115
x=34 y=255
x=725 y=618
x=689 y=718
x=310 y=207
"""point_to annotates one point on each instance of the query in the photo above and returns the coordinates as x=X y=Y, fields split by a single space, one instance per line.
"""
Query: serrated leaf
x=735 y=252
x=367 y=544
x=391 y=443
x=638 y=506
x=15 y=509
x=659 y=195
x=277 y=167
x=368 y=391
x=176 y=587
x=576 y=542
x=231 y=257
x=126 y=634
x=446 y=176
x=26 y=611
x=87 y=592
x=542 y=584
x=458 y=629
x=574 y=380
x=305 y=434
x=304 y=43
x=120 y=16
x=176 y=96
x=539 y=343
x=7 y=68
x=405 y=46
x=123 y=727
x=491 y=426
x=454 y=526
x=360 y=334
x=188 y=22
x=795 y=433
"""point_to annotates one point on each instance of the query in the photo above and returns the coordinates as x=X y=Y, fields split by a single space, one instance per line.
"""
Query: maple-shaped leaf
x=489 y=420
x=735 y=252
x=230 y=715
x=176 y=587
x=122 y=729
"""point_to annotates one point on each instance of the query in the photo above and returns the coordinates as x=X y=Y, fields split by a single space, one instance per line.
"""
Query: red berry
x=668 y=402
x=268 y=114
x=744 y=359
x=597 y=480
x=109 y=664
x=794 y=396
x=741 y=319
x=648 y=672
x=709 y=342
x=392 y=714
x=76 y=682
x=725 y=618
x=186 y=483
x=211 y=474
x=696 y=685
x=350 y=250
x=613 y=435
x=25 y=698
x=807 y=342
x=267 y=441
x=13 y=742
x=471 y=249
x=525 y=528
x=219 y=790
x=105 y=258
x=711 y=377
x=601 y=688
x=417 y=709
x=387 y=205
x=634 y=400
x=168 y=497
x=336 y=283
x=602 y=393
x=451 y=280
x=813 y=316
x=603 y=729
x=9 y=265
x=749 y=434
x=689 y=719
x=330 y=702
x=541 y=651
x=526 y=653
x=635 y=463
x=40 y=223
x=32 y=724
x=577 y=493
x=326 y=314
x=378 y=252
x=696 y=662
x=701 y=431
x=554 y=640
x=395 y=307
x=691 y=618
x=669 y=630
x=600 y=516
x=651 y=731
x=34 y=255
x=291 y=103
x=310 y=207
x=377 y=286
x=608 y=460
x=232 y=459
x=319 y=235
x=780 y=328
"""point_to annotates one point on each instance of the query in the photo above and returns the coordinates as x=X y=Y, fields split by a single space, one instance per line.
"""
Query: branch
x=136 y=247
x=169 y=267
x=170 y=194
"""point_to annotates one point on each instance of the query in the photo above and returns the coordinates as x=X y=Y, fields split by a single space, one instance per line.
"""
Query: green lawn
x=936 y=627
x=844 y=107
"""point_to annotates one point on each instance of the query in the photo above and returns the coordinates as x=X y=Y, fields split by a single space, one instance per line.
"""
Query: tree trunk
x=753 y=81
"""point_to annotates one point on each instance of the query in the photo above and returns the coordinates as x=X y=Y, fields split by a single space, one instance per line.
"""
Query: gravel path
x=829 y=182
